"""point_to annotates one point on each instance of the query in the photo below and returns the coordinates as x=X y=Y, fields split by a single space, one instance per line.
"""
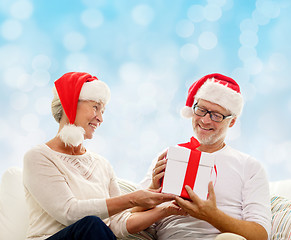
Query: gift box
x=187 y=167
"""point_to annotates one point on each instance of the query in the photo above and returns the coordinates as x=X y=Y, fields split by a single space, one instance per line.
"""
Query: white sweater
x=241 y=189
x=61 y=189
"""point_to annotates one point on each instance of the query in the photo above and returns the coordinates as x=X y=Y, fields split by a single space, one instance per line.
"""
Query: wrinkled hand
x=171 y=208
x=198 y=208
x=148 y=199
x=159 y=171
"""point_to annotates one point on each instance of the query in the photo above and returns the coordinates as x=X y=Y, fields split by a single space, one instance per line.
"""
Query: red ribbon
x=192 y=167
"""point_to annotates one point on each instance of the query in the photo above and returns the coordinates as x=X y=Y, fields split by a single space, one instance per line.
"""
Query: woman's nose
x=99 y=117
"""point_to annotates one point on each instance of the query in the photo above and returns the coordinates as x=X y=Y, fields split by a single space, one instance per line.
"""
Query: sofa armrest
x=13 y=208
x=281 y=188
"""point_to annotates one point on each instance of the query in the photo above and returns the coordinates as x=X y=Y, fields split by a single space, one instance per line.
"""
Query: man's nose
x=206 y=118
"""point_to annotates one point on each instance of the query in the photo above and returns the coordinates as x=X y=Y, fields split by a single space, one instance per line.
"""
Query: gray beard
x=212 y=139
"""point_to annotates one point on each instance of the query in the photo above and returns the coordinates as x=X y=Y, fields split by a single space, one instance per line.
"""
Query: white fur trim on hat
x=96 y=91
x=187 y=112
x=72 y=135
x=222 y=95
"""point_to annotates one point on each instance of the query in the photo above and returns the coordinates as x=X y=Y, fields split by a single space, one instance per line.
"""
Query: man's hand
x=159 y=171
x=207 y=210
x=198 y=208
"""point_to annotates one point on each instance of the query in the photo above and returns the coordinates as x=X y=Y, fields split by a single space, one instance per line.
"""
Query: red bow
x=193 y=144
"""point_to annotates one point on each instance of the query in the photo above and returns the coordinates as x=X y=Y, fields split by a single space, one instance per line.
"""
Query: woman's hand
x=141 y=220
x=147 y=199
x=159 y=171
x=171 y=208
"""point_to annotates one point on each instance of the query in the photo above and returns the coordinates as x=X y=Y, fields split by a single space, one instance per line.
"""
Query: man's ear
x=232 y=122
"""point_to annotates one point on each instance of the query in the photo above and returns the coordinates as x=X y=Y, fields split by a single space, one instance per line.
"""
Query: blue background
x=149 y=53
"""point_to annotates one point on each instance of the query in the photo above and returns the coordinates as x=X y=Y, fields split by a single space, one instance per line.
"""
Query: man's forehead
x=211 y=105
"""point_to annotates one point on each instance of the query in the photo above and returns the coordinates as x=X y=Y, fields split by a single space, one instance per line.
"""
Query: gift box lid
x=182 y=154
x=179 y=154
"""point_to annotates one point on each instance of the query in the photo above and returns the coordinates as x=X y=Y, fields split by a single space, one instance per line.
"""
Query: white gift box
x=187 y=167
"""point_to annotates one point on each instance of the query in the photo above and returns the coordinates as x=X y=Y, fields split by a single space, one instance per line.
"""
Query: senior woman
x=72 y=193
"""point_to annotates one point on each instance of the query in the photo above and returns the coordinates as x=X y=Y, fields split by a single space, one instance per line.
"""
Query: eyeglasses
x=214 y=116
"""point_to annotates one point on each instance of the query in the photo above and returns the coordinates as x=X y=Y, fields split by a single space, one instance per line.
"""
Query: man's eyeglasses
x=214 y=116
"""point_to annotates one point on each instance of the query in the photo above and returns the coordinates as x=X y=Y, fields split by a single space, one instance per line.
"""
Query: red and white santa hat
x=70 y=88
x=215 y=88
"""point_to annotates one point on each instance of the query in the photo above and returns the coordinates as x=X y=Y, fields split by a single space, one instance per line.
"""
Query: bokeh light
x=196 y=13
x=185 y=28
x=11 y=29
x=212 y=12
x=207 y=40
x=92 y=18
x=143 y=14
x=21 y=9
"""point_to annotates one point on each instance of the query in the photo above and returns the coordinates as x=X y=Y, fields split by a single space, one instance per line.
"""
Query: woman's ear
x=64 y=120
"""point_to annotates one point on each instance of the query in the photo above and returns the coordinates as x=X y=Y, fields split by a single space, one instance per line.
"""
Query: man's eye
x=202 y=110
x=217 y=115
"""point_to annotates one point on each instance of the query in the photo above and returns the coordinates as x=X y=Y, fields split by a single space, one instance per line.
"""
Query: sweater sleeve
x=118 y=221
x=47 y=185
x=118 y=224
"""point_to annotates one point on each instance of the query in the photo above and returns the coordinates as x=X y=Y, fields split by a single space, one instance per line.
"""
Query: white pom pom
x=187 y=112
x=72 y=135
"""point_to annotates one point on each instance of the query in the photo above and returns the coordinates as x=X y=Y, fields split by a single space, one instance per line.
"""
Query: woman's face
x=89 y=116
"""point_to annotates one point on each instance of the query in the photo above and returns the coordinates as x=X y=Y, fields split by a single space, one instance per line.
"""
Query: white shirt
x=241 y=189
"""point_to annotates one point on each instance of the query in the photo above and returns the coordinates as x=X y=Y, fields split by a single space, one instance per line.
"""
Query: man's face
x=207 y=131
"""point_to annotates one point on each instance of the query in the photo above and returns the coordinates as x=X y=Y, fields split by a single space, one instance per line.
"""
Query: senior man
x=238 y=205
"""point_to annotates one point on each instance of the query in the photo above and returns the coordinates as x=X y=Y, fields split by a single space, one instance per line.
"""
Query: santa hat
x=72 y=87
x=215 y=88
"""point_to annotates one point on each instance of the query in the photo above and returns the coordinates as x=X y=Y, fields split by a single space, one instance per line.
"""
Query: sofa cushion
x=281 y=218
x=13 y=209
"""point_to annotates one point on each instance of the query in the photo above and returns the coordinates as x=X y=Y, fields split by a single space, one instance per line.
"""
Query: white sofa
x=14 y=215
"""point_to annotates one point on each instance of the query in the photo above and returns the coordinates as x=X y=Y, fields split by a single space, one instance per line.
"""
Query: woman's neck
x=57 y=145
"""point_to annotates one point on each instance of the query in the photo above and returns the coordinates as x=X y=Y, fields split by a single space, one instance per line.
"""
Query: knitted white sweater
x=61 y=189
